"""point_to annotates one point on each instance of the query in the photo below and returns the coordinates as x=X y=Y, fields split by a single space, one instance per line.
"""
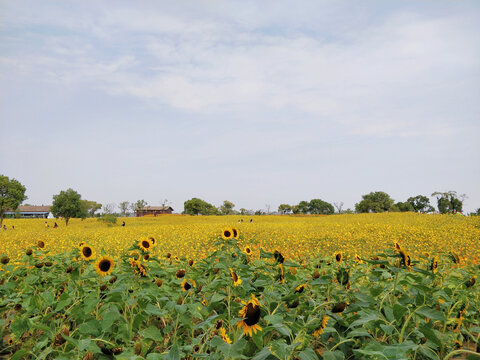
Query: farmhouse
x=154 y=210
x=31 y=212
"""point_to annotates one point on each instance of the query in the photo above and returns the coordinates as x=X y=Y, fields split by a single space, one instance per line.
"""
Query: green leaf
x=217 y=297
x=173 y=354
x=360 y=332
x=399 y=312
x=151 y=333
x=263 y=354
x=333 y=355
x=274 y=319
x=20 y=354
x=91 y=327
x=83 y=344
x=308 y=354
x=430 y=335
x=365 y=317
x=431 y=313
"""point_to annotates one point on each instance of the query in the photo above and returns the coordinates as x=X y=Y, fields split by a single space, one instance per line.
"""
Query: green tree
x=139 y=204
x=68 y=205
x=124 y=206
x=449 y=202
x=402 y=207
x=12 y=194
x=303 y=207
x=90 y=207
x=227 y=208
x=196 y=206
x=285 y=209
x=420 y=203
x=375 y=202
x=318 y=206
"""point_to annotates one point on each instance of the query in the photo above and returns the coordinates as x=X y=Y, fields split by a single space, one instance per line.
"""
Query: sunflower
x=358 y=259
x=397 y=246
x=236 y=279
x=405 y=259
x=455 y=258
x=188 y=284
x=281 y=274
x=140 y=269
x=278 y=257
x=338 y=257
x=235 y=233
x=320 y=330
x=87 y=252
x=152 y=240
x=434 y=265
x=81 y=243
x=470 y=282
x=224 y=335
x=41 y=244
x=227 y=234
x=299 y=289
x=247 y=250
x=145 y=244
x=104 y=265
x=251 y=316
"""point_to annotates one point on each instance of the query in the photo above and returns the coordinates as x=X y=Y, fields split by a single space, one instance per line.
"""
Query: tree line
x=69 y=204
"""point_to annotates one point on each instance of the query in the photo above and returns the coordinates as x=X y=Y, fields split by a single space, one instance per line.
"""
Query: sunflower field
x=377 y=286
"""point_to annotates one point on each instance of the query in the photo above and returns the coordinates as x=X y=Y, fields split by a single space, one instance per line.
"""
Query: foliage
x=198 y=206
x=285 y=209
x=58 y=306
x=317 y=206
x=90 y=207
x=375 y=202
x=109 y=219
x=448 y=202
x=421 y=203
x=124 y=206
x=68 y=205
x=12 y=194
x=139 y=204
x=402 y=207
x=227 y=208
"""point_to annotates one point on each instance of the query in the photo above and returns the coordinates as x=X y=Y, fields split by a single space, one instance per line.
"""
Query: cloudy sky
x=256 y=102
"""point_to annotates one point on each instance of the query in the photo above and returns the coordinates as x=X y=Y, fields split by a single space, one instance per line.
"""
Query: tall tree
x=284 y=209
x=12 y=194
x=90 y=207
x=449 y=202
x=303 y=207
x=124 y=206
x=198 y=206
x=375 y=202
x=68 y=205
x=227 y=208
x=420 y=203
x=137 y=205
x=402 y=207
x=318 y=206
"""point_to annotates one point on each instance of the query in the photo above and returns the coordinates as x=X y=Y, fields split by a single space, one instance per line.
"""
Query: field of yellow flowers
x=300 y=237
x=385 y=286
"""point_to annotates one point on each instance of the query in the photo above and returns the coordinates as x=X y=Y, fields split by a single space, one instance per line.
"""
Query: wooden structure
x=41 y=212
x=154 y=210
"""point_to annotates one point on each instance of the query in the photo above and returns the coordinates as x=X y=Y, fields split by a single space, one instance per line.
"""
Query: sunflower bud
x=316 y=274
x=112 y=280
x=29 y=252
x=180 y=273
x=39 y=265
x=138 y=348
x=5 y=260
x=159 y=282
x=69 y=269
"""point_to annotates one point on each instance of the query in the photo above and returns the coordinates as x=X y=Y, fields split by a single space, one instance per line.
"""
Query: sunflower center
x=338 y=257
x=227 y=233
x=86 y=251
x=105 y=265
x=234 y=277
x=187 y=286
x=252 y=315
x=146 y=244
x=235 y=232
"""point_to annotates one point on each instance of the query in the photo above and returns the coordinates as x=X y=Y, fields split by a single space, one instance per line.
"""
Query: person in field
x=55 y=226
x=123 y=224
